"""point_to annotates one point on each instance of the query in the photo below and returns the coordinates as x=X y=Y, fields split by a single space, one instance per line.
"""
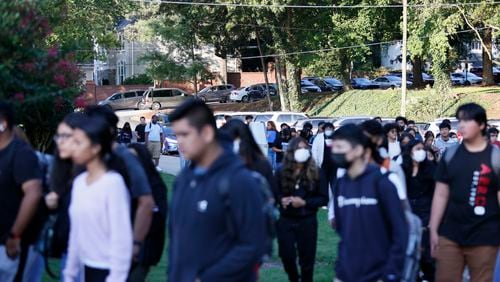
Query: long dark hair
x=97 y=129
x=309 y=173
x=249 y=150
x=126 y=128
x=407 y=164
x=63 y=172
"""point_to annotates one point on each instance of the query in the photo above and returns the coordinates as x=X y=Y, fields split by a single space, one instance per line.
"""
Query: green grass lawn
x=272 y=271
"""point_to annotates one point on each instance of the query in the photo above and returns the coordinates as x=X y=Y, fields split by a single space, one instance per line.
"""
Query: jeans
x=271 y=155
x=34 y=267
x=8 y=267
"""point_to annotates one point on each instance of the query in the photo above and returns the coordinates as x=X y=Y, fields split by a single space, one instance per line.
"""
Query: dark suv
x=127 y=100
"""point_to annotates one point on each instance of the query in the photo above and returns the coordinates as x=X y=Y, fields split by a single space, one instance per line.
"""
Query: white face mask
x=328 y=133
x=236 y=146
x=2 y=128
x=301 y=155
x=419 y=155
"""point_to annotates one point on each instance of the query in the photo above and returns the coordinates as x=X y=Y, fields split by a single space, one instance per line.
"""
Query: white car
x=279 y=118
x=465 y=78
x=388 y=81
x=251 y=93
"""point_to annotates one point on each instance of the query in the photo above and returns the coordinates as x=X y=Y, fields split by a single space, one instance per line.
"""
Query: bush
x=138 y=79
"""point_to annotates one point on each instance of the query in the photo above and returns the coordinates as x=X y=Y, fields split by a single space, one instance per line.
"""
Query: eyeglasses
x=61 y=137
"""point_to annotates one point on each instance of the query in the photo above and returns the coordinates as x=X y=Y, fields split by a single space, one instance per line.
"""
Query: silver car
x=217 y=93
x=124 y=100
x=158 y=98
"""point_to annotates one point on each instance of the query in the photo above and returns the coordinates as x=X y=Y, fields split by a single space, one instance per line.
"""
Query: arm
x=439 y=203
x=249 y=245
x=146 y=133
x=118 y=211
x=395 y=215
x=320 y=198
x=143 y=218
x=72 y=267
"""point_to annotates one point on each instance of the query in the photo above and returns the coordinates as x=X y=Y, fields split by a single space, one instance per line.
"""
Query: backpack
x=269 y=208
x=495 y=157
x=411 y=267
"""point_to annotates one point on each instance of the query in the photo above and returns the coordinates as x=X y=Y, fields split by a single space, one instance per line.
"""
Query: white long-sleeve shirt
x=101 y=231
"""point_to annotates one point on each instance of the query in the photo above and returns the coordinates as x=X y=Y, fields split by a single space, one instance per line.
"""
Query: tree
x=77 y=25
x=41 y=81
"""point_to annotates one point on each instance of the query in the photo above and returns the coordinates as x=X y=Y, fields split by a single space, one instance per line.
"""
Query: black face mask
x=154 y=121
x=340 y=161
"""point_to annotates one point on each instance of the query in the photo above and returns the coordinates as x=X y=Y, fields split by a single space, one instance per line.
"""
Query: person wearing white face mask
x=419 y=173
x=321 y=146
x=301 y=190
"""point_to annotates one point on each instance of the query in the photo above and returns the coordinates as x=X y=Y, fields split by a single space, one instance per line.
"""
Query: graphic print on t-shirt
x=479 y=190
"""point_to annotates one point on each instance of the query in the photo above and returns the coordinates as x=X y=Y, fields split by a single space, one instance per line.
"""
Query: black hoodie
x=200 y=242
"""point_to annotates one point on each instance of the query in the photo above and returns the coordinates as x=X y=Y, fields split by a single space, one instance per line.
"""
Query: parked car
x=479 y=72
x=217 y=93
x=326 y=84
x=279 y=118
x=386 y=82
x=466 y=78
x=427 y=79
x=158 y=98
x=314 y=121
x=363 y=83
x=251 y=93
x=127 y=100
x=307 y=86
x=350 y=120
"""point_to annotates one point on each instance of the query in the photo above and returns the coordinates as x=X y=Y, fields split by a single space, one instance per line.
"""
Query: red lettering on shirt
x=480 y=201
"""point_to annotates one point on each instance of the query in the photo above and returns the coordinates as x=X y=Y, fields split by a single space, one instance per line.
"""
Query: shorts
x=154 y=148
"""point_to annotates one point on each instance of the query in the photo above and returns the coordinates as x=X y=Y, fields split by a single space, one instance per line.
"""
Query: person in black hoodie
x=212 y=237
x=302 y=189
x=369 y=216
x=420 y=184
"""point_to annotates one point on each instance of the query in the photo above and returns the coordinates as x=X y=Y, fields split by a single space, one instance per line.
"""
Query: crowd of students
x=104 y=204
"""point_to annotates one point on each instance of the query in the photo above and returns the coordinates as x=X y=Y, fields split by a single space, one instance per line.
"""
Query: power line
x=243 y=5
x=341 y=48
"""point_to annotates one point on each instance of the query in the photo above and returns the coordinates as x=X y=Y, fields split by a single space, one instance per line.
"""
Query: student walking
x=217 y=223
x=302 y=189
x=20 y=192
x=369 y=216
x=465 y=216
x=101 y=237
x=419 y=173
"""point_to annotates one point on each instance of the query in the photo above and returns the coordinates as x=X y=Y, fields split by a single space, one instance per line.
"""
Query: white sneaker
x=159 y=168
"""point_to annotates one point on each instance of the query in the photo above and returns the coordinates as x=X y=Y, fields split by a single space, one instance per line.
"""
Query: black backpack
x=269 y=208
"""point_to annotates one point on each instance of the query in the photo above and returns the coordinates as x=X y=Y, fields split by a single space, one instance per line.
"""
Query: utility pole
x=403 y=63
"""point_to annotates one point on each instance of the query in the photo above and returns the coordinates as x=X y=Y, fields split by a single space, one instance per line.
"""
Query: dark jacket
x=200 y=243
x=372 y=227
x=314 y=194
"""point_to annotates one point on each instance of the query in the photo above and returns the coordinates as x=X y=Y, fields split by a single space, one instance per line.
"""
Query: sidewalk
x=170 y=164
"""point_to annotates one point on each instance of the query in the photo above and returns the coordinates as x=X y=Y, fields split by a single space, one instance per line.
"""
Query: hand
x=197 y=280
x=51 y=200
x=332 y=223
x=286 y=201
x=434 y=242
x=298 y=202
x=135 y=252
x=13 y=247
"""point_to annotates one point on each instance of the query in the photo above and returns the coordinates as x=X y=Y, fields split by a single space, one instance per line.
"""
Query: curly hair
x=309 y=173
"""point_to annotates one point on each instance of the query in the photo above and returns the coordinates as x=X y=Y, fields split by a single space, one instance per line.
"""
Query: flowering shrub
x=41 y=81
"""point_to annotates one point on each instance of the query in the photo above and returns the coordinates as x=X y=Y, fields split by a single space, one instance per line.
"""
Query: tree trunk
x=282 y=85
x=224 y=70
x=346 y=69
x=488 y=79
x=264 y=69
x=418 y=81
x=192 y=61
x=293 y=81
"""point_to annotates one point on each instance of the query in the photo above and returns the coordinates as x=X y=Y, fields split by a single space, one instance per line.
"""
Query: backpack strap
x=224 y=190
x=449 y=153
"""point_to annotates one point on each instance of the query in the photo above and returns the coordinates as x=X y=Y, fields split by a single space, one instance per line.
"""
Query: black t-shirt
x=472 y=217
x=18 y=164
x=140 y=129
